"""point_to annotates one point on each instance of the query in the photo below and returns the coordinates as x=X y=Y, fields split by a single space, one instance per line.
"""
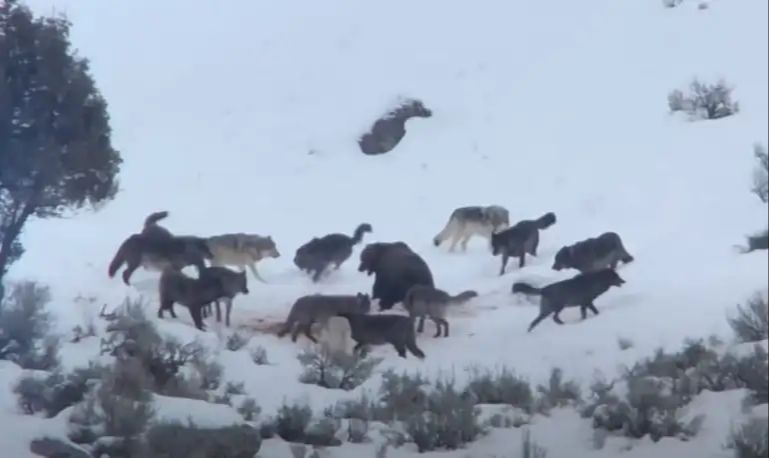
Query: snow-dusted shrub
x=704 y=101
x=55 y=392
x=761 y=173
x=401 y=396
x=449 y=421
x=624 y=343
x=55 y=447
x=530 y=449
x=671 y=3
x=233 y=388
x=557 y=392
x=249 y=409
x=292 y=421
x=753 y=373
x=259 y=356
x=362 y=408
x=210 y=373
x=335 y=369
x=751 y=322
x=501 y=387
x=322 y=433
x=174 y=440
x=25 y=326
x=132 y=334
x=236 y=341
x=751 y=439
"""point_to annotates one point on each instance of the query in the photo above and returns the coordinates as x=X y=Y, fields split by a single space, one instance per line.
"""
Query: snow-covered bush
x=761 y=173
x=236 y=341
x=174 y=440
x=401 y=396
x=259 y=356
x=450 y=419
x=55 y=392
x=751 y=439
x=249 y=409
x=210 y=373
x=335 y=369
x=751 y=322
x=25 y=326
x=501 y=387
x=292 y=421
x=557 y=392
x=704 y=101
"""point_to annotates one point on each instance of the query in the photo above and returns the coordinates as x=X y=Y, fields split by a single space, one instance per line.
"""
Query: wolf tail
x=525 y=288
x=357 y=236
x=546 y=220
x=130 y=246
x=464 y=296
x=155 y=217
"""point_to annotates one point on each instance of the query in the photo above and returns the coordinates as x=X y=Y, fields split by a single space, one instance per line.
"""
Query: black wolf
x=193 y=293
x=390 y=129
x=519 y=240
x=156 y=248
x=397 y=268
x=581 y=290
x=232 y=284
x=593 y=254
x=332 y=249
x=397 y=330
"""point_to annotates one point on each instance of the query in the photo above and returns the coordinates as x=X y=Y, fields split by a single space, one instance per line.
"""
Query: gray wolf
x=593 y=254
x=520 y=239
x=319 y=308
x=465 y=222
x=390 y=129
x=758 y=241
x=580 y=290
x=193 y=293
x=155 y=248
x=331 y=249
x=232 y=284
x=397 y=330
x=241 y=250
x=425 y=301
x=396 y=267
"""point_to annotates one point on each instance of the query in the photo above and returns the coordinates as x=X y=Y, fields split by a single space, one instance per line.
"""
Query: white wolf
x=476 y=220
x=241 y=250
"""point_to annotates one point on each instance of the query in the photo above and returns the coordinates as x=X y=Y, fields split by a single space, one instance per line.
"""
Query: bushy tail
x=130 y=245
x=525 y=288
x=464 y=296
x=153 y=218
x=546 y=220
x=362 y=228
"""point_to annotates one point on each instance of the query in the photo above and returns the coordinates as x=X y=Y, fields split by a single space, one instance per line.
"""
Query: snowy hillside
x=245 y=118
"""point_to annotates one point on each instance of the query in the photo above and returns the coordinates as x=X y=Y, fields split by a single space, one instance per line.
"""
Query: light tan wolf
x=425 y=301
x=241 y=250
x=465 y=222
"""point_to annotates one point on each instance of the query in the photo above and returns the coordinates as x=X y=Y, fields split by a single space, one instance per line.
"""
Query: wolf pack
x=401 y=276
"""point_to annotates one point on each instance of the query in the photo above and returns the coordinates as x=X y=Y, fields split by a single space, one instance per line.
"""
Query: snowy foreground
x=244 y=119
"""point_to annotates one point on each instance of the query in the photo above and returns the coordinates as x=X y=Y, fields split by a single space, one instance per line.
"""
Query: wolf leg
x=592 y=308
x=308 y=332
x=195 y=313
x=445 y=327
x=401 y=349
x=522 y=260
x=465 y=239
x=504 y=264
x=454 y=239
x=537 y=320
x=218 y=311
x=583 y=311
x=228 y=312
x=437 y=327
x=421 y=324
x=557 y=318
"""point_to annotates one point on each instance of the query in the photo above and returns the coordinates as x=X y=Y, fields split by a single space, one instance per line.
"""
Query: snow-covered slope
x=244 y=118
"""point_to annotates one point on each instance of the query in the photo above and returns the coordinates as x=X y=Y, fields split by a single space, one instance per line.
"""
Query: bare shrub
x=761 y=173
x=401 y=396
x=530 y=449
x=249 y=409
x=55 y=392
x=174 y=440
x=751 y=439
x=751 y=322
x=501 y=387
x=624 y=343
x=558 y=393
x=25 y=326
x=259 y=356
x=335 y=369
x=236 y=341
x=704 y=101
x=210 y=373
x=292 y=421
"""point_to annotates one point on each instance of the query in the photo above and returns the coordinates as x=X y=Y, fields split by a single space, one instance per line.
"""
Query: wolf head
x=264 y=247
x=415 y=108
x=563 y=259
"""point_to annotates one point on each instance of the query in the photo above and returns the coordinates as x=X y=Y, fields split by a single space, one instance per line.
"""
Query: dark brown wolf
x=157 y=249
x=396 y=330
x=580 y=290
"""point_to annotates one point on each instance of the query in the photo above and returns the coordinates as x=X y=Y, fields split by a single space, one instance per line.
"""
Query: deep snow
x=244 y=119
